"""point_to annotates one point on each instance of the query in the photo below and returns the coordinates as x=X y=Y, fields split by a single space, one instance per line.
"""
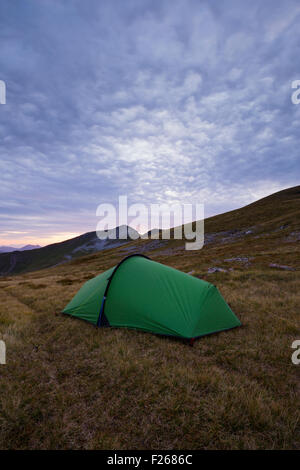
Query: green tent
x=143 y=294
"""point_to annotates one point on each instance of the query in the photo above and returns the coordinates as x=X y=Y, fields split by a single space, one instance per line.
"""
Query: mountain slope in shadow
x=57 y=253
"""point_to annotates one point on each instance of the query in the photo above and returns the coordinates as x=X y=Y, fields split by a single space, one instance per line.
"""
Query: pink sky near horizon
x=88 y=222
x=42 y=240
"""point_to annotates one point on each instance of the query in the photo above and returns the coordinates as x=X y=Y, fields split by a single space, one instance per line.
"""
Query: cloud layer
x=182 y=101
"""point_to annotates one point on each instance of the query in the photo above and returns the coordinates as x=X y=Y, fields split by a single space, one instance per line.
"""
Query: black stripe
x=102 y=319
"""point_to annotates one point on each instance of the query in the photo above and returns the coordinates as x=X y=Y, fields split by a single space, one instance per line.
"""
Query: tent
x=142 y=294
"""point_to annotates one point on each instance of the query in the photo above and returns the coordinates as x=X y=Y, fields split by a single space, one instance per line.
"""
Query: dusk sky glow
x=163 y=101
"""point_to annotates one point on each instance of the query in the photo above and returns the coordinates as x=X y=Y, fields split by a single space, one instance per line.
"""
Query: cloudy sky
x=164 y=101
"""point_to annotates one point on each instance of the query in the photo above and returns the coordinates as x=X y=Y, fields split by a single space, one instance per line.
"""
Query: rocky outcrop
x=280 y=266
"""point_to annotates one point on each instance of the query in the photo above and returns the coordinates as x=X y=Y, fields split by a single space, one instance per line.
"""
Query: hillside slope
x=69 y=385
x=7 y=249
x=282 y=208
x=56 y=253
x=275 y=216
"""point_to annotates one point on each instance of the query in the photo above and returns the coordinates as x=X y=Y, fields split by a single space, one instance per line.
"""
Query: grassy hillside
x=70 y=385
x=56 y=253
x=282 y=207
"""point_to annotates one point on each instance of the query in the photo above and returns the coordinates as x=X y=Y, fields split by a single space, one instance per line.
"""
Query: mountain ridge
x=61 y=252
x=276 y=215
x=253 y=257
x=9 y=249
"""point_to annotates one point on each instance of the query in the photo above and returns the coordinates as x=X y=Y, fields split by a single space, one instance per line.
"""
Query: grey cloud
x=187 y=101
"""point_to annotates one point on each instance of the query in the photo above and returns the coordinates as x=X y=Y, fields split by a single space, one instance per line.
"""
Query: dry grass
x=69 y=385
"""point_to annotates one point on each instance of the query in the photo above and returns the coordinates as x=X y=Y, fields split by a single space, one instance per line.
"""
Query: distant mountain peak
x=123 y=232
x=9 y=249
x=29 y=247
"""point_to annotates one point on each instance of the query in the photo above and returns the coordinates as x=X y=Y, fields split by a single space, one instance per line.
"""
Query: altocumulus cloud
x=165 y=101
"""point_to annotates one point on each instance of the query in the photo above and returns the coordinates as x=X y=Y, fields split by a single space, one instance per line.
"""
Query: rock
x=294 y=237
x=280 y=266
x=216 y=270
x=240 y=259
x=191 y=272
